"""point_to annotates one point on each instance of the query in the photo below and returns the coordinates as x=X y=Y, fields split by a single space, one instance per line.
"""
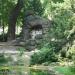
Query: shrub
x=21 y=50
x=3 y=60
x=43 y=56
x=72 y=69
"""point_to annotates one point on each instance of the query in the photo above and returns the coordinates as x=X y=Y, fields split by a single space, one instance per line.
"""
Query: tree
x=13 y=18
x=5 y=6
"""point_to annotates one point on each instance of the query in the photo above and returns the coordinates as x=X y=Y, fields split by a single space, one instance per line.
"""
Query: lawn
x=64 y=70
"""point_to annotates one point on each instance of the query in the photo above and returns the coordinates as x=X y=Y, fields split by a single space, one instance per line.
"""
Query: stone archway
x=36 y=31
x=34 y=27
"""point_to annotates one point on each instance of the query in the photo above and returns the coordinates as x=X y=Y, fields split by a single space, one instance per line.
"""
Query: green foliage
x=72 y=68
x=37 y=7
x=61 y=23
x=57 y=1
x=21 y=50
x=64 y=70
x=3 y=60
x=38 y=72
x=1 y=38
x=44 y=55
x=5 y=7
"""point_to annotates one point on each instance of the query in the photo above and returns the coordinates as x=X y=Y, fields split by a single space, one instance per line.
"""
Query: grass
x=11 y=67
x=39 y=72
x=61 y=69
x=64 y=70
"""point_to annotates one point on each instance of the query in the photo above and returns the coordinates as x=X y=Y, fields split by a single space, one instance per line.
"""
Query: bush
x=3 y=60
x=43 y=56
x=72 y=68
x=21 y=50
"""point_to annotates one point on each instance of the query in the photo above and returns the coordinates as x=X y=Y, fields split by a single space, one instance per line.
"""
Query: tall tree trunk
x=13 y=18
x=3 y=31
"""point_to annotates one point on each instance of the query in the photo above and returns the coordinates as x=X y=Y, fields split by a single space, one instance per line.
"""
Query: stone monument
x=35 y=28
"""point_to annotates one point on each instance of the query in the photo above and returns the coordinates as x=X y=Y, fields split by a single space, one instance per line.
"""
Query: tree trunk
x=13 y=18
x=3 y=31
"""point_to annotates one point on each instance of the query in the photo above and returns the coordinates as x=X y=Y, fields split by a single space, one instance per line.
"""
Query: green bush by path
x=42 y=56
x=3 y=60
